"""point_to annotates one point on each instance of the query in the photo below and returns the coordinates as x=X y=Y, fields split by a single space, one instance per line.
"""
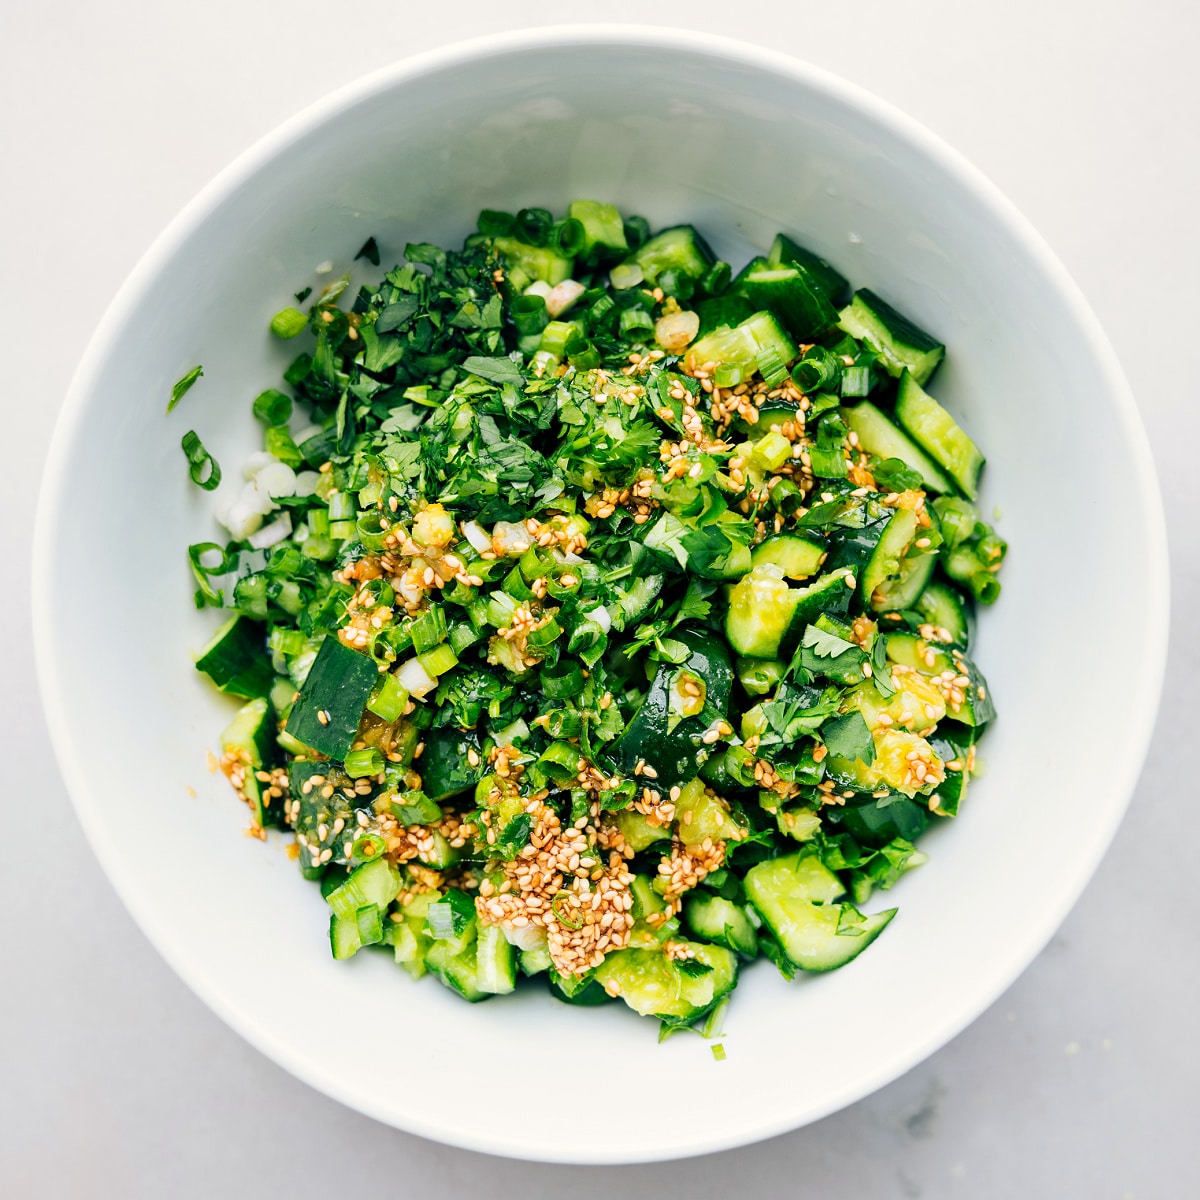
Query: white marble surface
x=1081 y=1081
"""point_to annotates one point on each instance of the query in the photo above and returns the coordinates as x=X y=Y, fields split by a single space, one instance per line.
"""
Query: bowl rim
x=52 y=495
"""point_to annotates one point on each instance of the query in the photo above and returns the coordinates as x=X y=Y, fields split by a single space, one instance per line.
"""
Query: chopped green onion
x=582 y=355
x=204 y=470
x=449 y=917
x=544 y=635
x=637 y=232
x=361 y=763
x=272 y=407
x=636 y=325
x=495 y=223
x=771 y=367
x=566 y=237
x=429 y=629
x=529 y=314
x=856 y=381
x=560 y=906
x=277 y=440
x=342 y=507
x=563 y=723
x=461 y=636
x=226 y=563
x=626 y=275
x=677 y=283
x=556 y=335
x=562 y=681
x=718 y=1052
x=717 y=279
x=181 y=388
x=533 y=225
x=287 y=323
x=366 y=848
x=298 y=369
x=439 y=660
x=500 y=608
x=728 y=374
x=287 y=641
x=818 y=370
x=370 y=530
x=388 y=700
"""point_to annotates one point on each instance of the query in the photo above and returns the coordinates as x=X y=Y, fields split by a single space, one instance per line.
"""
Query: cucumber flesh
x=495 y=962
x=251 y=731
x=946 y=608
x=829 y=595
x=680 y=248
x=602 y=225
x=535 y=262
x=761 y=610
x=932 y=659
x=879 y=436
x=902 y=590
x=796 y=897
x=456 y=971
x=796 y=556
x=884 y=563
x=721 y=921
x=761 y=333
x=938 y=432
x=374 y=883
x=899 y=343
x=349 y=934
x=654 y=985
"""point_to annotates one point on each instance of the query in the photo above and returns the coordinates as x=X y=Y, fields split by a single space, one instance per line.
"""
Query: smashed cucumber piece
x=679 y=991
x=796 y=896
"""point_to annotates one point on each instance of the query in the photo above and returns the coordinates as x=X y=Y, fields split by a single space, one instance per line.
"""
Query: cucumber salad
x=601 y=616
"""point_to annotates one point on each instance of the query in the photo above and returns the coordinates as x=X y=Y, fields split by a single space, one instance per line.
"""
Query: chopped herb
x=848 y=737
x=288 y=323
x=369 y=251
x=183 y=386
x=204 y=470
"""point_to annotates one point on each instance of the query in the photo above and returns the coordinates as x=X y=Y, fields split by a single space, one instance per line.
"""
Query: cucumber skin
x=235 y=659
x=899 y=343
x=944 y=606
x=805 y=929
x=879 y=436
x=674 y=753
x=338 y=686
x=937 y=432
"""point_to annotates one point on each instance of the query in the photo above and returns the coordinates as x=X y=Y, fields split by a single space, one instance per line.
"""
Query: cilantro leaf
x=895 y=475
x=825 y=645
x=498 y=370
x=848 y=737
x=796 y=711
x=397 y=314
x=695 y=605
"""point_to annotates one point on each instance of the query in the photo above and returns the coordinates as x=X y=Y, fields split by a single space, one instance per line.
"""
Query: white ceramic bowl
x=678 y=127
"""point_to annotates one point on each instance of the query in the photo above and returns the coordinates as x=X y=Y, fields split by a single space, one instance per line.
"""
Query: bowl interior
x=743 y=144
